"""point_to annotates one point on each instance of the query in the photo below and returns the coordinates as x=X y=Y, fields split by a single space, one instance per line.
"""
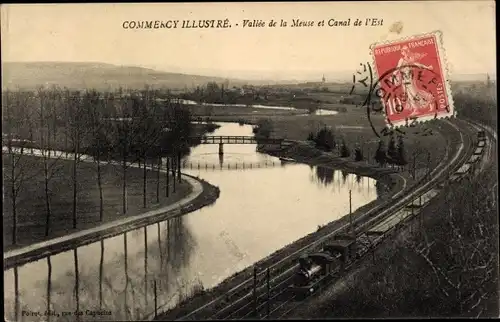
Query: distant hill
x=31 y=75
x=75 y=75
x=472 y=77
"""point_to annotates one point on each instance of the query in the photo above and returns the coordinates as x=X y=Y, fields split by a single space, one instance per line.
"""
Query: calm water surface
x=260 y=209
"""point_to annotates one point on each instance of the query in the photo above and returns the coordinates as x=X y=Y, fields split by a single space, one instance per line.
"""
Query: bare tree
x=124 y=137
x=76 y=132
x=46 y=103
x=16 y=176
x=463 y=254
x=180 y=129
x=149 y=133
x=97 y=137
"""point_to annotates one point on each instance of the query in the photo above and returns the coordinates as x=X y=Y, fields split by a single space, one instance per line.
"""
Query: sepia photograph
x=249 y=161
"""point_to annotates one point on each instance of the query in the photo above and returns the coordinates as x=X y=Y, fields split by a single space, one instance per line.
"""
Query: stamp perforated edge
x=446 y=79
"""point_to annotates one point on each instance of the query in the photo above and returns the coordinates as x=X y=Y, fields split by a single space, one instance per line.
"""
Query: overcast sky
x=94 y=32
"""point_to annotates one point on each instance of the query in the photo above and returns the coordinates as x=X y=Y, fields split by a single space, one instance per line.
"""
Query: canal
x=261 y=209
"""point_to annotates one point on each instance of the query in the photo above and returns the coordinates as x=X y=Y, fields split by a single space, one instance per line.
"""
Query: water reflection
x=324 y=175
x=340 y=180
x=114 y=276
x=118 y=275
x=344 y=176
x=221 y=160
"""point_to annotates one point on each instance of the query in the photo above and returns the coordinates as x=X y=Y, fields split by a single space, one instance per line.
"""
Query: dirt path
x=201 y=194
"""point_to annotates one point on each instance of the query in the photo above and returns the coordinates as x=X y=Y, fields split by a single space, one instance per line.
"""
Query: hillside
x=31 y=75
x=99 y=76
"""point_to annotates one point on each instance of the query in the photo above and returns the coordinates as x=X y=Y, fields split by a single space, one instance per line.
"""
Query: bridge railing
x=234 y=140
x=200 y=165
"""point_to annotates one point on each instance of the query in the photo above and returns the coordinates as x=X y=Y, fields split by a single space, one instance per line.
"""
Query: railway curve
x=241 y=300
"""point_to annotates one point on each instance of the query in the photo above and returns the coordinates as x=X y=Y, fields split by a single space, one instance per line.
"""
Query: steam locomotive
x=315 y=270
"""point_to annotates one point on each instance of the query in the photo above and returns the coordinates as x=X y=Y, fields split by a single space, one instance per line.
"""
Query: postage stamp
x=412 y=79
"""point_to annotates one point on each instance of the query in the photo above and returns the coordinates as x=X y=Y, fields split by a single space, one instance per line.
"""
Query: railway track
x=282 y=309
x=239 y=302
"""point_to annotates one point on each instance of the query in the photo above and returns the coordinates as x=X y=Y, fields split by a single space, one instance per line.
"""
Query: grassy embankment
x=31 y=205
x=31 y=202
x=445 y=266
x=351 y=126
x=288 y=125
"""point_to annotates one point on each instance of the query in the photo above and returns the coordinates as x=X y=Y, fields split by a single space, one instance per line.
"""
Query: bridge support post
x=221 y=148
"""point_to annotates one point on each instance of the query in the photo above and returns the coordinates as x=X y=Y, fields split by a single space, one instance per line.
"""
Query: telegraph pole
x=268 y=293
x=428 y=162
x=179 y=165
x=414 y=165
x=350 y=210
x=168 y=177
x=255 y=290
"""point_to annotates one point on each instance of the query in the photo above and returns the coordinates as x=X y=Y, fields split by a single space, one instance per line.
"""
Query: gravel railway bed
x=199 y=301
x=393 y=182
x=310 y=307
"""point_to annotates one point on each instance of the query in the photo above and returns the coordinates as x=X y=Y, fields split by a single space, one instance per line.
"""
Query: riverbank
x=305 y=152
x=402 y=265
x=33 y=204
x=202 y=194
x=392 y=184
x=354 y=129
x=448 y=220
x=302 y=152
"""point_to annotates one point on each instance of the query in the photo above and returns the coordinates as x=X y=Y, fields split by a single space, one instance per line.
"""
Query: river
x=259 y=106
x=260 y=209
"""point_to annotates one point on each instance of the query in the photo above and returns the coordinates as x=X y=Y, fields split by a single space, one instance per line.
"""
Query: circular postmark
x=404 y=94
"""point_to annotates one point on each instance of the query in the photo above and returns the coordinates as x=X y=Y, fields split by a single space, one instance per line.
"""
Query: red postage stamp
x=412 y=81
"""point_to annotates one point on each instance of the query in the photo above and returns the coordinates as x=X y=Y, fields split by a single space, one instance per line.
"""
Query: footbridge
x=221 y=140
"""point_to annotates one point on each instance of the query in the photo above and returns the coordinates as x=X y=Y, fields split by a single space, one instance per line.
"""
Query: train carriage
x=478 y=151
x=317 y=269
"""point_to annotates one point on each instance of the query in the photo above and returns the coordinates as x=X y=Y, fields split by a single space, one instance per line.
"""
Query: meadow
x=32 y=203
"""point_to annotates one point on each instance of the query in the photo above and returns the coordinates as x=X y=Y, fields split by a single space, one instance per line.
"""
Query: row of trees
x=393 y=154
x=263 y=129
x=324 y=139
x=113 y=126
x=213 y=93
x=480 y=107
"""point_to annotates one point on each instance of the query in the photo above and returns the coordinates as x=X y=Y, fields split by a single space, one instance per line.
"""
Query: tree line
x=121 y=126
x=393 y=154
x=443 y=264
x=481 y=108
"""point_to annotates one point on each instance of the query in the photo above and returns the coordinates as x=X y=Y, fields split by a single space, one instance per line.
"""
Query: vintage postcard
x=286 y=160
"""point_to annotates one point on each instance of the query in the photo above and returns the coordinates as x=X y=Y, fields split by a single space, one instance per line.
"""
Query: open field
x=354 y=128
x=222 y=290
x=216 y=111
x=31 y=202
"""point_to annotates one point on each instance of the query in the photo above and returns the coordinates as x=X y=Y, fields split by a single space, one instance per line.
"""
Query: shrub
x=345 y=152
x=264 y=128
x=325 y=139
x=380 y=154
x=310 y=137
x=358 y=154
